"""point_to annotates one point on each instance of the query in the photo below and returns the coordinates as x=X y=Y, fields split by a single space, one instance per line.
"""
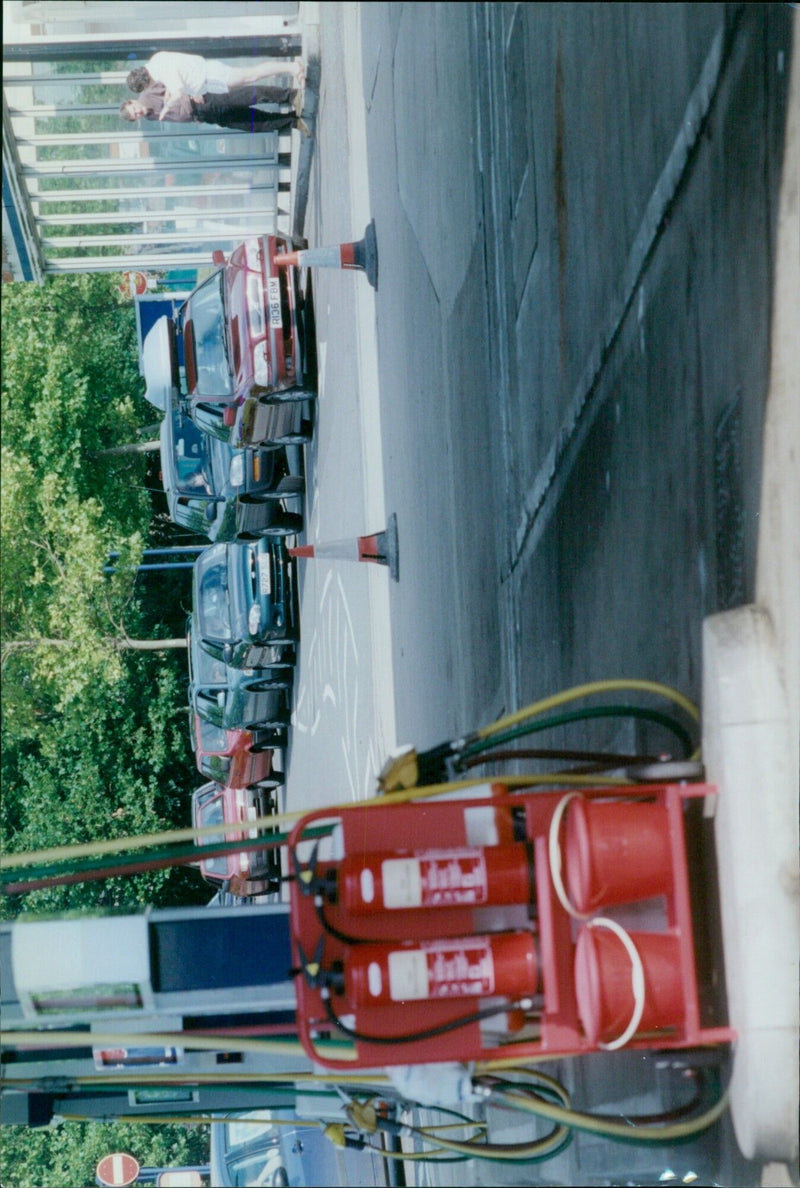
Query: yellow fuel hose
x=277 y=820
x=588 y=690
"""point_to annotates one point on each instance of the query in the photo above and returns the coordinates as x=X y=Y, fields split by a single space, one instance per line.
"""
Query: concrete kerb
x=751 y=693
x=364 y=300
x=369 y=385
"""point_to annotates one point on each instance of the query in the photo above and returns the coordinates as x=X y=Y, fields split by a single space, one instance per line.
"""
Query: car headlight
x=262 y=371
x=254 y=619
x=237 y=470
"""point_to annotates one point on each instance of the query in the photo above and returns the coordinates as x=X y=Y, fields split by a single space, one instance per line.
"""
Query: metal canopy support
x=120 y=263
x=100 y=46
x=98 y=218
x=110 y=165
x=113 y=194
x=199 y=235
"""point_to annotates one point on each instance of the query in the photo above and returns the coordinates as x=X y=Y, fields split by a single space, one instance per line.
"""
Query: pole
x=91 y=46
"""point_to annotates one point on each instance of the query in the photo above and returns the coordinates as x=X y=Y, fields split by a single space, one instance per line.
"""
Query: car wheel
x=302 y=438
x=288 y=396
x=275 y=725
x=276 y=686
x=271 y=744
x=288 y=524
x=251 y=500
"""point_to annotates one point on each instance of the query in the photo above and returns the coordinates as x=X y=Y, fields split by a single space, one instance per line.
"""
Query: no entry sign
x=117 y=1171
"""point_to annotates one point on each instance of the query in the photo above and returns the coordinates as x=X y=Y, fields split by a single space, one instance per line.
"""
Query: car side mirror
x=227 y=653
x=210 y=511
x=218 y=257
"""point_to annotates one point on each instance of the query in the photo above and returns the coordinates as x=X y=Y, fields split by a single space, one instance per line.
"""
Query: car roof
x=159 y=361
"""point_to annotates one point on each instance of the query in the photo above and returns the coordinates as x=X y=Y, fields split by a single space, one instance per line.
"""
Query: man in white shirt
x=190 y=74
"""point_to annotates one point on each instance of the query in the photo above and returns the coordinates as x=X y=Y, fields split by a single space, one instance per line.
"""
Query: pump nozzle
x=324 y=885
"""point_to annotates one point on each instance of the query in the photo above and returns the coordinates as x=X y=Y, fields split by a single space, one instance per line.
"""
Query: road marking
x=332 y=691
x=542 y=496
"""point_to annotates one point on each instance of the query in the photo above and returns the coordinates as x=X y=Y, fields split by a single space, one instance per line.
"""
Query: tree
x=64 y=507
x=66 y=1156
x=95 y=740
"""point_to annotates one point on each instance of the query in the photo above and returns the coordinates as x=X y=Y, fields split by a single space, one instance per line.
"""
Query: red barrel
x=616 y=852
x=465 y=876
x=604 y=986
x=502 y=964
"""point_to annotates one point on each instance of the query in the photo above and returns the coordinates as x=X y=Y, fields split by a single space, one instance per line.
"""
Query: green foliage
x=95 y=740
x=66 y=1156
x=107 y=765
x=69 y=389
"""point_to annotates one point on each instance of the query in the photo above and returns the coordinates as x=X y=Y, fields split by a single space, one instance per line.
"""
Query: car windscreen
x=205 y=311
x=211 y=595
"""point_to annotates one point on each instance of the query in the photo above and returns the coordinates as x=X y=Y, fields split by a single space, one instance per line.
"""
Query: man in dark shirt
x=233 y=110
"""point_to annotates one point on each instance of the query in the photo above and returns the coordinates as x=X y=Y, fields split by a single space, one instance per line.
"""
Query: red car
x=247 y=872
x=234 y=758
x=247 y=334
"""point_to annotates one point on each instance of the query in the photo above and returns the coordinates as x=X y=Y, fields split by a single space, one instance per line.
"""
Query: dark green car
x=256 y=699
x=244 y=601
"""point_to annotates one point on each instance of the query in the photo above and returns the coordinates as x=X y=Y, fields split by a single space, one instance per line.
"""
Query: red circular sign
x=117 y=1171
x=133 y=283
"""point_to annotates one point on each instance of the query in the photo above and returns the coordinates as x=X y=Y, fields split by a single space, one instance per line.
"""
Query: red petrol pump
x=509 y=957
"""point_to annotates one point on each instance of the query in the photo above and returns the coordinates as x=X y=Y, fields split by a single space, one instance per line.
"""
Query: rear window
x=212 y=812
x=209 y=670
x=205 y=338
x=217 y=767
x=212 y=738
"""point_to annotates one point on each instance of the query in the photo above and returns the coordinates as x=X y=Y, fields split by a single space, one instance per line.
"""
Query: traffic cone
x=380 y=547
x=363 y=254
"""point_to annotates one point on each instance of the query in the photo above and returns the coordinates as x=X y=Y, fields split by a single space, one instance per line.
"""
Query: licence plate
x=264 y=573
x=274 y=301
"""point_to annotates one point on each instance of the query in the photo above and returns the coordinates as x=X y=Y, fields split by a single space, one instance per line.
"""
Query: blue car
x=222 y=493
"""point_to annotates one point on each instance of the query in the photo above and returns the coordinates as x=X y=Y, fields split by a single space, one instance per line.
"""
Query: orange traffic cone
x=380 y=547
x=363 y=254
